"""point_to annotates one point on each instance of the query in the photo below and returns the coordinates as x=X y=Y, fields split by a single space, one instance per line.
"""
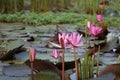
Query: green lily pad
x=14 y=44
x=47 y=75
x=11 y=49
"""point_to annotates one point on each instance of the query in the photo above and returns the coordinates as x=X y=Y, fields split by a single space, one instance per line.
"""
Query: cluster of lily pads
x=84 y=68
x=73 y=41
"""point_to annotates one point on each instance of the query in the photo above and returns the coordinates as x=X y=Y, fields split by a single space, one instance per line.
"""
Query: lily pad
x=12 y=48
x=13 y=78
x=46 y=29
x=47 y=75
x=108 y=76
x=17 y=70
x=11 y=27
x=14 y=44
x=108 y=60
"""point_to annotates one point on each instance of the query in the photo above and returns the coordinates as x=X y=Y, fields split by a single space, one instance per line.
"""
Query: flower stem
x=92 y=68
x=76 y=65
x=63 y=72
x=98 y=61
x=32 y=75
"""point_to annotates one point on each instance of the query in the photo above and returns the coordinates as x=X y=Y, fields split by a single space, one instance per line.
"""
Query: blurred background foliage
x=57 y=11
x=82 y=6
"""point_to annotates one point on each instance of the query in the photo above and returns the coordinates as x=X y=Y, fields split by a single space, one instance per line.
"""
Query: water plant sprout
x=32 y=54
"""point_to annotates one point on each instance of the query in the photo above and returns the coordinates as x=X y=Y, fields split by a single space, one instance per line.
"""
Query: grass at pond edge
x=55 y=18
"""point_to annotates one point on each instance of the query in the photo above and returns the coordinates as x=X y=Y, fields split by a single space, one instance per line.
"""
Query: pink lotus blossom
x=99 y=17
x=62 y=38
x=32 y=54
x=74 y=39
x=55 y=54
x=95 y=30
x=90 y=24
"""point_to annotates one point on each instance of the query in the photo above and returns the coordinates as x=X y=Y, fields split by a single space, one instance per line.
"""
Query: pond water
x=42 y=34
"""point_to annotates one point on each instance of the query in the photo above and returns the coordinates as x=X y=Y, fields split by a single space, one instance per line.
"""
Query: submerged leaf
x=113 y=68
x=108 y=76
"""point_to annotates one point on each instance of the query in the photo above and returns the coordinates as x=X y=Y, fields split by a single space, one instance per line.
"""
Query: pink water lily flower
x=74 y=39
x=63 y=43
x=32 y=54
x=95 y=30
x=55 y=54
x=62 y=38
x=99 y=17
x=90 y=24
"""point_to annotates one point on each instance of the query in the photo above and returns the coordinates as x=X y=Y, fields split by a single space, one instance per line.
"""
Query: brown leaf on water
x=43 y=65
x=113 y=68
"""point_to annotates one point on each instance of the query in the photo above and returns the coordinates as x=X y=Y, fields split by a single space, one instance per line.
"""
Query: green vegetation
x=11 y=6
x=66 y=11
x=82 y=6
x=55 y=18
x=46 y=75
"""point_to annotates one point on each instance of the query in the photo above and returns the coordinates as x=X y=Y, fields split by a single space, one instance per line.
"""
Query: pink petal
x=54 y=44
x=63 y=39
x=79 y=45
x=97 y=30
x=55 y=54
x=79 y=36
x=89 y=24
x=59 y=36
x=74 y=35
x=32 y=54
x=62 y=43
x=74 y=39
x=99 y=17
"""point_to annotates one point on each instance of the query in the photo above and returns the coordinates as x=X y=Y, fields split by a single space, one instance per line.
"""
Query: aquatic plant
x=32 y=54
x=93 y=29
x=74 y=40
x=98 y=61
x=86 y=66
x=99 y=17
x=63 y=43
x=55 y=54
